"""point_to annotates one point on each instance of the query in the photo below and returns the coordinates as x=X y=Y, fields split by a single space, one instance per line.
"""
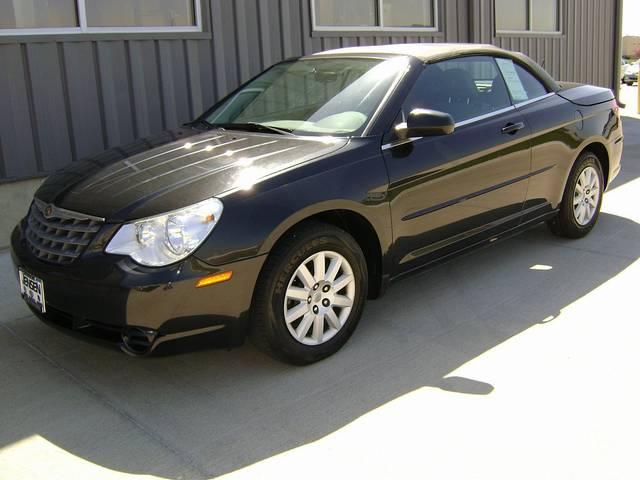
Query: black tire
x=629 y=83
x=565 y=224
x=269 y=331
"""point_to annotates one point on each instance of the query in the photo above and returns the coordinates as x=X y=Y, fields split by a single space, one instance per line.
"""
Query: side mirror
x=425 y=123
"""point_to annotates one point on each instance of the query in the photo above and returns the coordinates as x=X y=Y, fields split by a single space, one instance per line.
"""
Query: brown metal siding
x=64 y=100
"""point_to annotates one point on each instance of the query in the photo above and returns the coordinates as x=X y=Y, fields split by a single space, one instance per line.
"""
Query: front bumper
x=112 y=294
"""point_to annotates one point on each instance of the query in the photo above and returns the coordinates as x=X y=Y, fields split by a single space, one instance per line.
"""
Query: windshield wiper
x=252 y=127
x=281 y=131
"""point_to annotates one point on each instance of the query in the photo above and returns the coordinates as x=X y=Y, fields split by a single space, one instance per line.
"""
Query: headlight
x=168 y=238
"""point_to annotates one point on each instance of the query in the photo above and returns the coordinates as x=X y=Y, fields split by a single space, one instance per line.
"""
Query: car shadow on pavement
x=208 y=412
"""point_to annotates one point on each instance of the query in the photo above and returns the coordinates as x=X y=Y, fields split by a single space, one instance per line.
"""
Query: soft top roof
x=422 y=51
x=432 y=52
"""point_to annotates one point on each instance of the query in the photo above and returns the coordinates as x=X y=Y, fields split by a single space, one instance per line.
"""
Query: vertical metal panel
x=247 y=36
x=16 y=125
x=270 y=31
x=70 y=99
x=201 y=79
x=175 y=88
x=463 y=17
x=115 y=94
x=84 y=100
x=49 y=105
x=302 y=14
x=224 y=41
x=147 y=92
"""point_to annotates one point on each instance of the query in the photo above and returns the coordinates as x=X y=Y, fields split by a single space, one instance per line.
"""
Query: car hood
x=175 y=169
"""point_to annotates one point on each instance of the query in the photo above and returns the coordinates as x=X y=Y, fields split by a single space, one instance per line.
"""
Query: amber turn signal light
x=213 y=279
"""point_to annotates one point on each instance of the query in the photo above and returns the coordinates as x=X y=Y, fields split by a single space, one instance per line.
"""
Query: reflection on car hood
x=175 y=169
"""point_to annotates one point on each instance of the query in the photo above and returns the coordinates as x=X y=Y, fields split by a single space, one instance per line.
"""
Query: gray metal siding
x=64 y=100
x=582 y=53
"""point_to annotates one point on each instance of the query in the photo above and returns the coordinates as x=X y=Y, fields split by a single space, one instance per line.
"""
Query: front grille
x=59 y=236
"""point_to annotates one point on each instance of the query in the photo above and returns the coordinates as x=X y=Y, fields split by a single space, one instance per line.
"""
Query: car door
x=449 y=191
x=554 y=125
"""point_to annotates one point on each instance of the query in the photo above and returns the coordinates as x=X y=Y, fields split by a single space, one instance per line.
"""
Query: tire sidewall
x=338 y=242
x=587 y=160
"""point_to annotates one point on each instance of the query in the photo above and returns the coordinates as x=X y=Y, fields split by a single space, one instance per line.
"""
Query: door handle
x=512 y=128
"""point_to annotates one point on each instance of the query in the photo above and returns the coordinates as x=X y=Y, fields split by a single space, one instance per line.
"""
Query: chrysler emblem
x=48 y=211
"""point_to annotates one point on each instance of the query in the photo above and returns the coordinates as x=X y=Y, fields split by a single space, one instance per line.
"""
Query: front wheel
x=580 y=206
x=310 y=295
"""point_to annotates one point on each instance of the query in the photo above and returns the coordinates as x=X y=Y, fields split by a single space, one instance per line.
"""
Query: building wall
x=66 y=98
x=631 y=46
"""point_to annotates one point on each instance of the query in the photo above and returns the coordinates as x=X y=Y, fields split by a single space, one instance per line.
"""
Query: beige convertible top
x=433 y=52
x=422 y=51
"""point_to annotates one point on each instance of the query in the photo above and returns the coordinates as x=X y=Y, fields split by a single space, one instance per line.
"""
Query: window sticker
x=518 y=93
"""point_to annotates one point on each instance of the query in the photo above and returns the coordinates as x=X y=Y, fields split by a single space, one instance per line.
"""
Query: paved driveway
x=517 y=361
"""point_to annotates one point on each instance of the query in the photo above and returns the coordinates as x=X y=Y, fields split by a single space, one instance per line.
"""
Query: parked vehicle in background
x=280 y=210
x=630 y=73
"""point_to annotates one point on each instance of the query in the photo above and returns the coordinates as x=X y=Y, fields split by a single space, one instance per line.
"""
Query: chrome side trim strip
x=387 y=146
x=534 y=100
x=485 y=116
x=440 y=206
x=469 y=121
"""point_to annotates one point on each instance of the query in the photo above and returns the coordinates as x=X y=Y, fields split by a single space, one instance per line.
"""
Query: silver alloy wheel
x=586 y=196
x=319 y=298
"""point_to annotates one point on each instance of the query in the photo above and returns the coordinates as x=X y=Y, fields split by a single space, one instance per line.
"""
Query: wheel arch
x=598 y=148
x=600 y=151
x=347 y=218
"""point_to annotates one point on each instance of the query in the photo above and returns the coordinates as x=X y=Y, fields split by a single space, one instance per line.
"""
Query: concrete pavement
x=629 y=96
x=517 y=361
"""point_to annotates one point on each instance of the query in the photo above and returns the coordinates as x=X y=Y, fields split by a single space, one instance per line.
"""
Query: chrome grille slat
x=69 y=227
x=63 y=236
x=57 y=237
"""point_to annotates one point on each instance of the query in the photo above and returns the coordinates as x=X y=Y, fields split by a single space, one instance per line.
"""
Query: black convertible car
x=308 y=189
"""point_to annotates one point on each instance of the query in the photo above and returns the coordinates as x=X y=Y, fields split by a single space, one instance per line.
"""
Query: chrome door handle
x=512 y=128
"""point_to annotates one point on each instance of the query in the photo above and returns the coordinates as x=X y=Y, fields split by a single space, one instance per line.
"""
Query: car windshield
x=323 y=96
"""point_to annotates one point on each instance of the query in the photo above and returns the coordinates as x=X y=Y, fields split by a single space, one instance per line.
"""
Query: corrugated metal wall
x=583 y=53
x=64 y=100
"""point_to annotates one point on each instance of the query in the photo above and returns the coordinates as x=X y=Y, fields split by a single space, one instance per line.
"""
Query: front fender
x=377 y=218
x=353 y=179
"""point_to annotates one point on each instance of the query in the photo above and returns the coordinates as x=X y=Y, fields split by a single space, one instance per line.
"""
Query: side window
x=522 y=84
x=463 y=87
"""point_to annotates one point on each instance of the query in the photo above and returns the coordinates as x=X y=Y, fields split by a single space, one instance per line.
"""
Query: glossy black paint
x=423 y=122
x=412 y=203
x=176 y=169
x=442 y=187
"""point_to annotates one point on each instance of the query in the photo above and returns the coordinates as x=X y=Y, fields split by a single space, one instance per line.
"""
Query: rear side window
x=522 y=84
x=464 y=88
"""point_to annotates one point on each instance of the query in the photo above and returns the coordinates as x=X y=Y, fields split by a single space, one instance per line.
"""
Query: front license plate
x=32 y=290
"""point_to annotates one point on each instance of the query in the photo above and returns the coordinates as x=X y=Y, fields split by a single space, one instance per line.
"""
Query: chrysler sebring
x=286 y=205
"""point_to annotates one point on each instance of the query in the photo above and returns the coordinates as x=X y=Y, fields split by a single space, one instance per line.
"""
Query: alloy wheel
x=319 y=298
x=586 y=196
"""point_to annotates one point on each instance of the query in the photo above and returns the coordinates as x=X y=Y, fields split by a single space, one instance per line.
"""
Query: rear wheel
x=582 y=199
x=310 y=295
